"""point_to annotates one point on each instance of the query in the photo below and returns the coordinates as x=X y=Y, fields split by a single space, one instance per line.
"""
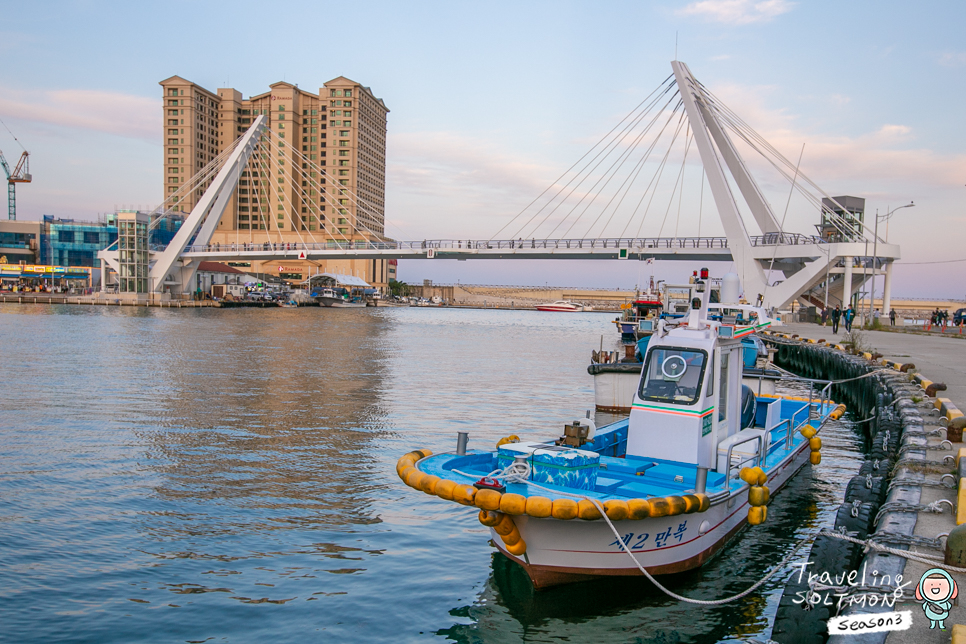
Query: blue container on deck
x=566 y=467
x=554 y=465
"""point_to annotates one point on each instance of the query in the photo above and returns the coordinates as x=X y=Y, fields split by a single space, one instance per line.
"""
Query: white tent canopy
x=340 y=279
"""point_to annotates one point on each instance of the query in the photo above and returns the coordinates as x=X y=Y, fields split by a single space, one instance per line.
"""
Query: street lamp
x=875 y=250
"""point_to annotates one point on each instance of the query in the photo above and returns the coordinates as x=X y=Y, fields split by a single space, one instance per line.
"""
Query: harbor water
x=228 y=476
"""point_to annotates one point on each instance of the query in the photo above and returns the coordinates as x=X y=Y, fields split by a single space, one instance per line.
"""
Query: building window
x=347 y=123
x=343 y=162
x=347 y=113
x=344 y=143
x=281 y=108
x=343 y=132
x=348 y=93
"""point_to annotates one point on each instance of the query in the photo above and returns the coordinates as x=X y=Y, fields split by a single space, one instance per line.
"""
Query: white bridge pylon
x=803 y=267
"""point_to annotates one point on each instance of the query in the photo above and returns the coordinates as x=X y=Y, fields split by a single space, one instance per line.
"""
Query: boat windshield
x=673 y=375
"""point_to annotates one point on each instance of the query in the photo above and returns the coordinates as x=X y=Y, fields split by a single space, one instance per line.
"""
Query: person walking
x=836 y=316
x=892 y=317
x=849 y=316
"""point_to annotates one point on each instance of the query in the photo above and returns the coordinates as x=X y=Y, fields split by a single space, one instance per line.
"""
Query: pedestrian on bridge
x=836 y=316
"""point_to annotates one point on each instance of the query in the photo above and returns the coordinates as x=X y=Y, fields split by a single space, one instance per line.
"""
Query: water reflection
x=272 y=414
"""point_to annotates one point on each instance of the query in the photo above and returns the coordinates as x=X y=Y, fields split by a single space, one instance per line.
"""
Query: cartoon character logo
x=936 y=591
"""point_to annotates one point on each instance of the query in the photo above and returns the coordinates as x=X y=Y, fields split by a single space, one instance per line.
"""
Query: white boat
x=663 y=490
x=559 y=305
x=329 y=297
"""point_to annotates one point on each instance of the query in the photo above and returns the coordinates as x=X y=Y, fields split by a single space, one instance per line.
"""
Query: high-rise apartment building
x=335 y=138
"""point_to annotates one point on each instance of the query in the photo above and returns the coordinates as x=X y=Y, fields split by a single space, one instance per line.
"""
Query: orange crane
x=20 y=174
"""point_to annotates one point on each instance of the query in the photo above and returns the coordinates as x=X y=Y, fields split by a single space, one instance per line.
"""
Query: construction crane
x=20 y=174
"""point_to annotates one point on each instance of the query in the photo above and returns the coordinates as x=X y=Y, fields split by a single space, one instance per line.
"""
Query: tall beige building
x=332 y=142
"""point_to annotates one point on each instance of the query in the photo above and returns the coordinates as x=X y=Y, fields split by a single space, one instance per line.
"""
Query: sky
x=491 y=102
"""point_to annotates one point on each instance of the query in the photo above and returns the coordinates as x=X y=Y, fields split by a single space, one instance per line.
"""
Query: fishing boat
x=661 y=491
x=638 y=316
x=339 y=300
x=560 y=306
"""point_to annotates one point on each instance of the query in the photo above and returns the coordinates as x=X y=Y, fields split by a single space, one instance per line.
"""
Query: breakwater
x=908 y=471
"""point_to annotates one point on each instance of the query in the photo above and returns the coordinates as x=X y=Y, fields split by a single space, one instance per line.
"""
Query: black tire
x=861 y=522
x=858 y=490
x=877 y=467
x=793 y=623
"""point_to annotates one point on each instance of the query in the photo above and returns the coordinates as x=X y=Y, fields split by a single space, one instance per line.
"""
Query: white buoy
x=730 y=288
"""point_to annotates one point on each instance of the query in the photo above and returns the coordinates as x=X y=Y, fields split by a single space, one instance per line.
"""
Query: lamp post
x=875 y=250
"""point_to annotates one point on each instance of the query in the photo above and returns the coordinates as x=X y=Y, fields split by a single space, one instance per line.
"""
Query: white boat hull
x=339 y=303
x=561 y=552
x=614 y=392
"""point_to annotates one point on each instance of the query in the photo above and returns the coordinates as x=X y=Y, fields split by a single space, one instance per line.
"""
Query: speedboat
x=661 y=491
x=559 y=305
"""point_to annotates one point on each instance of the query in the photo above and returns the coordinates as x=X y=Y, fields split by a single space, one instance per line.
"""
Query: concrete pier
x=937 y=359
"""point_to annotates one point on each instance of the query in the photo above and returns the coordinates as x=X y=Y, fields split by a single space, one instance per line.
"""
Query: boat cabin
x=689 y=401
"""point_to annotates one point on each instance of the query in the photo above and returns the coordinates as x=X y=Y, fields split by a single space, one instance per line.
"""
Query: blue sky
x=490 y=102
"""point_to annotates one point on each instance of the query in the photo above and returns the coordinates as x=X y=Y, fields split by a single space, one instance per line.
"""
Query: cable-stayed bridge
x=622 y=200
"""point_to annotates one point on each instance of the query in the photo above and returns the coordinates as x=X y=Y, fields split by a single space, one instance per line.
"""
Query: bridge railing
x=631 y=243
x=785 y=239
x=615 y=243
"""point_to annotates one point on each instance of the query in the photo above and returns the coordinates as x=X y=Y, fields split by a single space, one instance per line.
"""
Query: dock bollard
x=461 y=440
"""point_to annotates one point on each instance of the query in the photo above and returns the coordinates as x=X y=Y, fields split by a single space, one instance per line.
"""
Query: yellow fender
x=512 y=438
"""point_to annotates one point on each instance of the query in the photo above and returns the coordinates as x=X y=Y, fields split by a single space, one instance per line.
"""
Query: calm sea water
x=228 y=476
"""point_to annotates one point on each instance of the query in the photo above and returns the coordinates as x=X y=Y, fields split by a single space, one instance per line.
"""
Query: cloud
x=737 y=12
x=953 y=59
x=124 y=115
x=447 y=183
x=883 y=158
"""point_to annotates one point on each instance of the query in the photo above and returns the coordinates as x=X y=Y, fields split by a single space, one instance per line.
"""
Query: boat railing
x=817 y=399
x=757 y=458
x=791 y=427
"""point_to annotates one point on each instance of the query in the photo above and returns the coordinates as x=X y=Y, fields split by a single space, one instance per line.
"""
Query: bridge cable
x=657 y=89
x=655 y=178
x=659 y=174
x=678 y=179
x=610 y=173
x=629 y=183
x=604 y=150
x=781 y=227
x=737 y=124
x=632 y=176
x=583 y=176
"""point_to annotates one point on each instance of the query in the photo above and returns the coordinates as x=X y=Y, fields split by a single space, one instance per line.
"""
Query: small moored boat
x=663 y=490
x=560 y=306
